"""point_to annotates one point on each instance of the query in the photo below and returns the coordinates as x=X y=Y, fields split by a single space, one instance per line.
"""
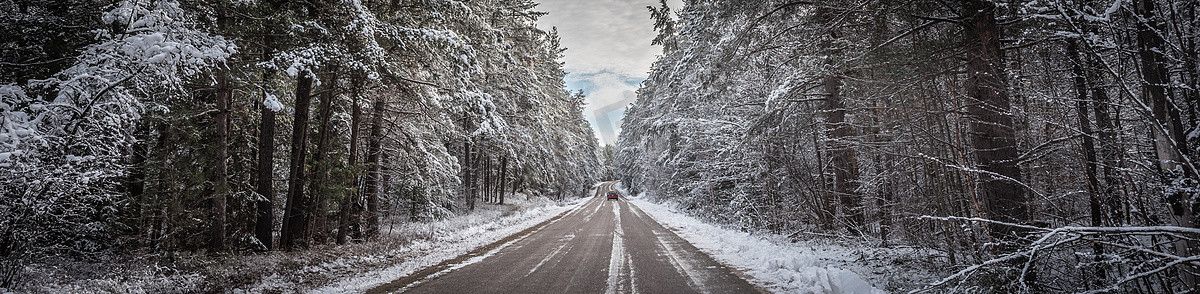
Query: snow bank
x=777 y=266
x=445 y=245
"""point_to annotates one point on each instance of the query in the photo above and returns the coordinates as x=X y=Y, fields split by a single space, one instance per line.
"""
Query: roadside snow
x=777 y=266
x=402 y=248
x=447 y=244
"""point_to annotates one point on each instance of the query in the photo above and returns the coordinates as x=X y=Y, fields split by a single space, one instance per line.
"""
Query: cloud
x=603 y=88
x=608 y=95
x=608 y=48
x=603 y=35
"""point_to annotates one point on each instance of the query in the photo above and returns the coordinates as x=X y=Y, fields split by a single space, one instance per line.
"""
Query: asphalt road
x=606 y=246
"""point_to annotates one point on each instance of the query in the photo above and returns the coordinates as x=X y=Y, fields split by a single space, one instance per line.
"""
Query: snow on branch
x=1043 y=239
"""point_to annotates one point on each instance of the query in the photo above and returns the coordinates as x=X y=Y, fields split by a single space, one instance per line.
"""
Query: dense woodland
x=1033 y=146
x=1037 y=146
x=240 y=126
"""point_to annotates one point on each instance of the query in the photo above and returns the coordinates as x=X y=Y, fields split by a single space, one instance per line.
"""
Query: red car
x=613 y=195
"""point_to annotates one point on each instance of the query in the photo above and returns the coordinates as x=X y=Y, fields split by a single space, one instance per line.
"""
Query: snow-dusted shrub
x=64 y=153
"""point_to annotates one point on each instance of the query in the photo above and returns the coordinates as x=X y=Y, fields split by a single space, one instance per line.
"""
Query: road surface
x=605 y=246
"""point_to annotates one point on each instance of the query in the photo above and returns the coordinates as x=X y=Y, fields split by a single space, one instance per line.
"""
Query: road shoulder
x=429 y=255
x=776 y=267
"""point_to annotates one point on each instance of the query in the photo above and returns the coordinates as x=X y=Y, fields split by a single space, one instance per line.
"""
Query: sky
x=608 y=52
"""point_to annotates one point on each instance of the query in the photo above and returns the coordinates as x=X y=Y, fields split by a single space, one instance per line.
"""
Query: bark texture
x=992 y=134
x=295 y=219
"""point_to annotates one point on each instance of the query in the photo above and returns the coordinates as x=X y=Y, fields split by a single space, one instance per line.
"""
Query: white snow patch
x=422 y=254
x=777 y=266
x=272 y=103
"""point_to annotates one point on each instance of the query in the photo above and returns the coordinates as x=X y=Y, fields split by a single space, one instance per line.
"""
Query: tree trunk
x=476 y=177
x=135 y=183
x=295 y=219
x=1169 y=140
x=477 y=184
x=467 y=179
x=414 y=198
x=1186 y=35
x=162 y=202
x=347 y=209
x=992 y=133
x=385 y=177
x=374 y=153
x=885 y=162
x=517 y=182
x=1109 y=154
x=266 y=168
x=487 y=178
x=837 y=131
x=884 y=202
x=1088 y=146
x=825 y=208
x=845 y=161
x=318 y=207
x=503 y=176
x=221 y=170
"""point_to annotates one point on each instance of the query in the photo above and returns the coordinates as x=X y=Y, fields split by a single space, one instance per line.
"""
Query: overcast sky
x=608 y=51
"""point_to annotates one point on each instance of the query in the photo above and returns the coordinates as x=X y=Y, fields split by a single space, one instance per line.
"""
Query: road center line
x=618 y=258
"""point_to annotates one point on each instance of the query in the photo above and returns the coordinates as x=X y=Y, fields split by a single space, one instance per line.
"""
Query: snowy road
x=605 y=246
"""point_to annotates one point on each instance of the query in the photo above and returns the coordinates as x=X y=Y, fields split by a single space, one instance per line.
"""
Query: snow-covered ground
x=448 y=245
x=405 y=247
x=780 y=265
